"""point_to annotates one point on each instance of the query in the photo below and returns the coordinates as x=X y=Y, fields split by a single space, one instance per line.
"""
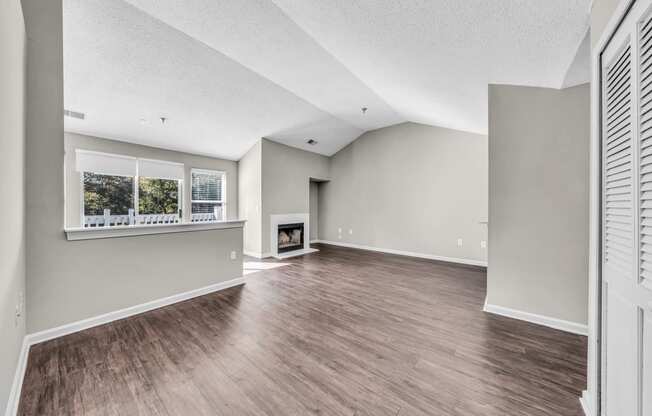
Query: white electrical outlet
x=459 y=242
x=234 y=255
x=339 y=231
x=483 y=244
x=19 y=308
x=350 y=231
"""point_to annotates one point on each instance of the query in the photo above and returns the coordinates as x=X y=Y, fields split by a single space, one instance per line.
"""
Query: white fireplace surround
x=281 y=219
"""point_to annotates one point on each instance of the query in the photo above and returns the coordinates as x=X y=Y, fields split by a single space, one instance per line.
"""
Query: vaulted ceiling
x=225 y=73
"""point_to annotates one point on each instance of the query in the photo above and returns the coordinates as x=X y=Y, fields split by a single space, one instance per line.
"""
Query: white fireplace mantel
x=280 y=219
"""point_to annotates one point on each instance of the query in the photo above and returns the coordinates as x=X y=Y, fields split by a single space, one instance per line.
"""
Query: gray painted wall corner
x=539 y=200
x=12 y=183
x=285 y=175
x=250 y=202
x=409 y=187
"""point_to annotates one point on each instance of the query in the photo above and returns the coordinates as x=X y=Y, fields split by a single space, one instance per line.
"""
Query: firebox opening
x=290 y=237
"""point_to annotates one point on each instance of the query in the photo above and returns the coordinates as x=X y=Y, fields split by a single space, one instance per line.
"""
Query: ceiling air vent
x=312 y=142
x=74 y=114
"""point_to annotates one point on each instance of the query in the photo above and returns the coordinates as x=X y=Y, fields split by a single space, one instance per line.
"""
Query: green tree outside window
x=158 y=196
x=108 y=192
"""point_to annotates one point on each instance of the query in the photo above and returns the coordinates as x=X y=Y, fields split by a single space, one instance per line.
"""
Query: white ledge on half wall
x=91 y=233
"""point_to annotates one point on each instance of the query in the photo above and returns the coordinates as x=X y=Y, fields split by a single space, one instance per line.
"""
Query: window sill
x=73 y=234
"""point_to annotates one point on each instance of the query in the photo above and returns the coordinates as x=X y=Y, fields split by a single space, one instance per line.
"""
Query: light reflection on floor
x=258 y=266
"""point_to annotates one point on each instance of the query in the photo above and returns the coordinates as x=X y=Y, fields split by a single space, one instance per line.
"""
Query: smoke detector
x=74 y=114
x=312 y=142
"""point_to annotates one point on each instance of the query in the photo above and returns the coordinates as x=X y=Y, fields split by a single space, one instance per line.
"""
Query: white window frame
x=200 y=201
x=135 y=190
x=179 y=195
x=82 y=207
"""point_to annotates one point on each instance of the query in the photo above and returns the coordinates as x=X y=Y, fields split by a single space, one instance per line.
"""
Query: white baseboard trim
x=406 y=253
x=585 y=401
x=60 y=331
x=257 y=255
x=17 y=385
x=568 y=326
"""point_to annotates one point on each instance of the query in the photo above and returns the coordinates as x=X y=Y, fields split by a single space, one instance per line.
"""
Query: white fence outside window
x=149 y=219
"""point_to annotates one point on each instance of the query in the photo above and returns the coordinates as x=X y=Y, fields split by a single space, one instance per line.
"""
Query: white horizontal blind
x=105 y=164
x=207 y=186
x=617 y=153
x=160 y=169
x=207 y=195
x=645 y=148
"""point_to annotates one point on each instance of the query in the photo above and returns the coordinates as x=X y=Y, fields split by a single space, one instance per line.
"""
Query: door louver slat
x=645 y=149
x=618 y=175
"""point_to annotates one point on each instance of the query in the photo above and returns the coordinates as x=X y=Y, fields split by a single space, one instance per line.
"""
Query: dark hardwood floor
x=338 y=332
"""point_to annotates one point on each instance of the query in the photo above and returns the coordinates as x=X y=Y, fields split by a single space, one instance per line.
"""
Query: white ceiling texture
x=225 y=73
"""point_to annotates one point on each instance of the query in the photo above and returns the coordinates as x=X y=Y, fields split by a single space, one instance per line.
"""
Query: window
x=121 y=190
x=158 y=196
x=159 y=187
x=207 y=196
x=107 y=192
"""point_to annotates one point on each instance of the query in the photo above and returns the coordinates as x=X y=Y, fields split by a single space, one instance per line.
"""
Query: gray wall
x=73 y=183
x=409 y=187
x=12 y=188
x=314 y=210
x=249 y=197
x=601 y=12
x=539 y=200
x=69 y=281
x=286 y=173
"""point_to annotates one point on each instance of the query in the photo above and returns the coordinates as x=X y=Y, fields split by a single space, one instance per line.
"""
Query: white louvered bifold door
x=626 y=139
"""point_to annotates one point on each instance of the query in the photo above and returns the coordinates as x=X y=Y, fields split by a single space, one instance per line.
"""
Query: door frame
x=591 y=397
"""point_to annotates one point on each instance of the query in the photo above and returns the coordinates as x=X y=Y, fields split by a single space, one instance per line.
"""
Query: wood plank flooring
x=338 y=332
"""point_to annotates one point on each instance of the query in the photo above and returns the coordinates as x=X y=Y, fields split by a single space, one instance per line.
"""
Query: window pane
x=206 y=186
x=208 y=208
x=158 y=196
x=203 y=208
x=108 y=192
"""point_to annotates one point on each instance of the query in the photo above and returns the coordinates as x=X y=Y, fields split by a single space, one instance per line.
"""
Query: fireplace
x=290 y=237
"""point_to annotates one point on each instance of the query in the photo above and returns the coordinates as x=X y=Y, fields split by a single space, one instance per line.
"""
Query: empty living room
x=326 y=207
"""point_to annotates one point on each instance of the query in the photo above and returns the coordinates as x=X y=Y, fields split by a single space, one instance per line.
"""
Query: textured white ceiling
x=579 y=70
x=431 y=60
x=261 y=37
x=226 y=72
x=122 y=65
